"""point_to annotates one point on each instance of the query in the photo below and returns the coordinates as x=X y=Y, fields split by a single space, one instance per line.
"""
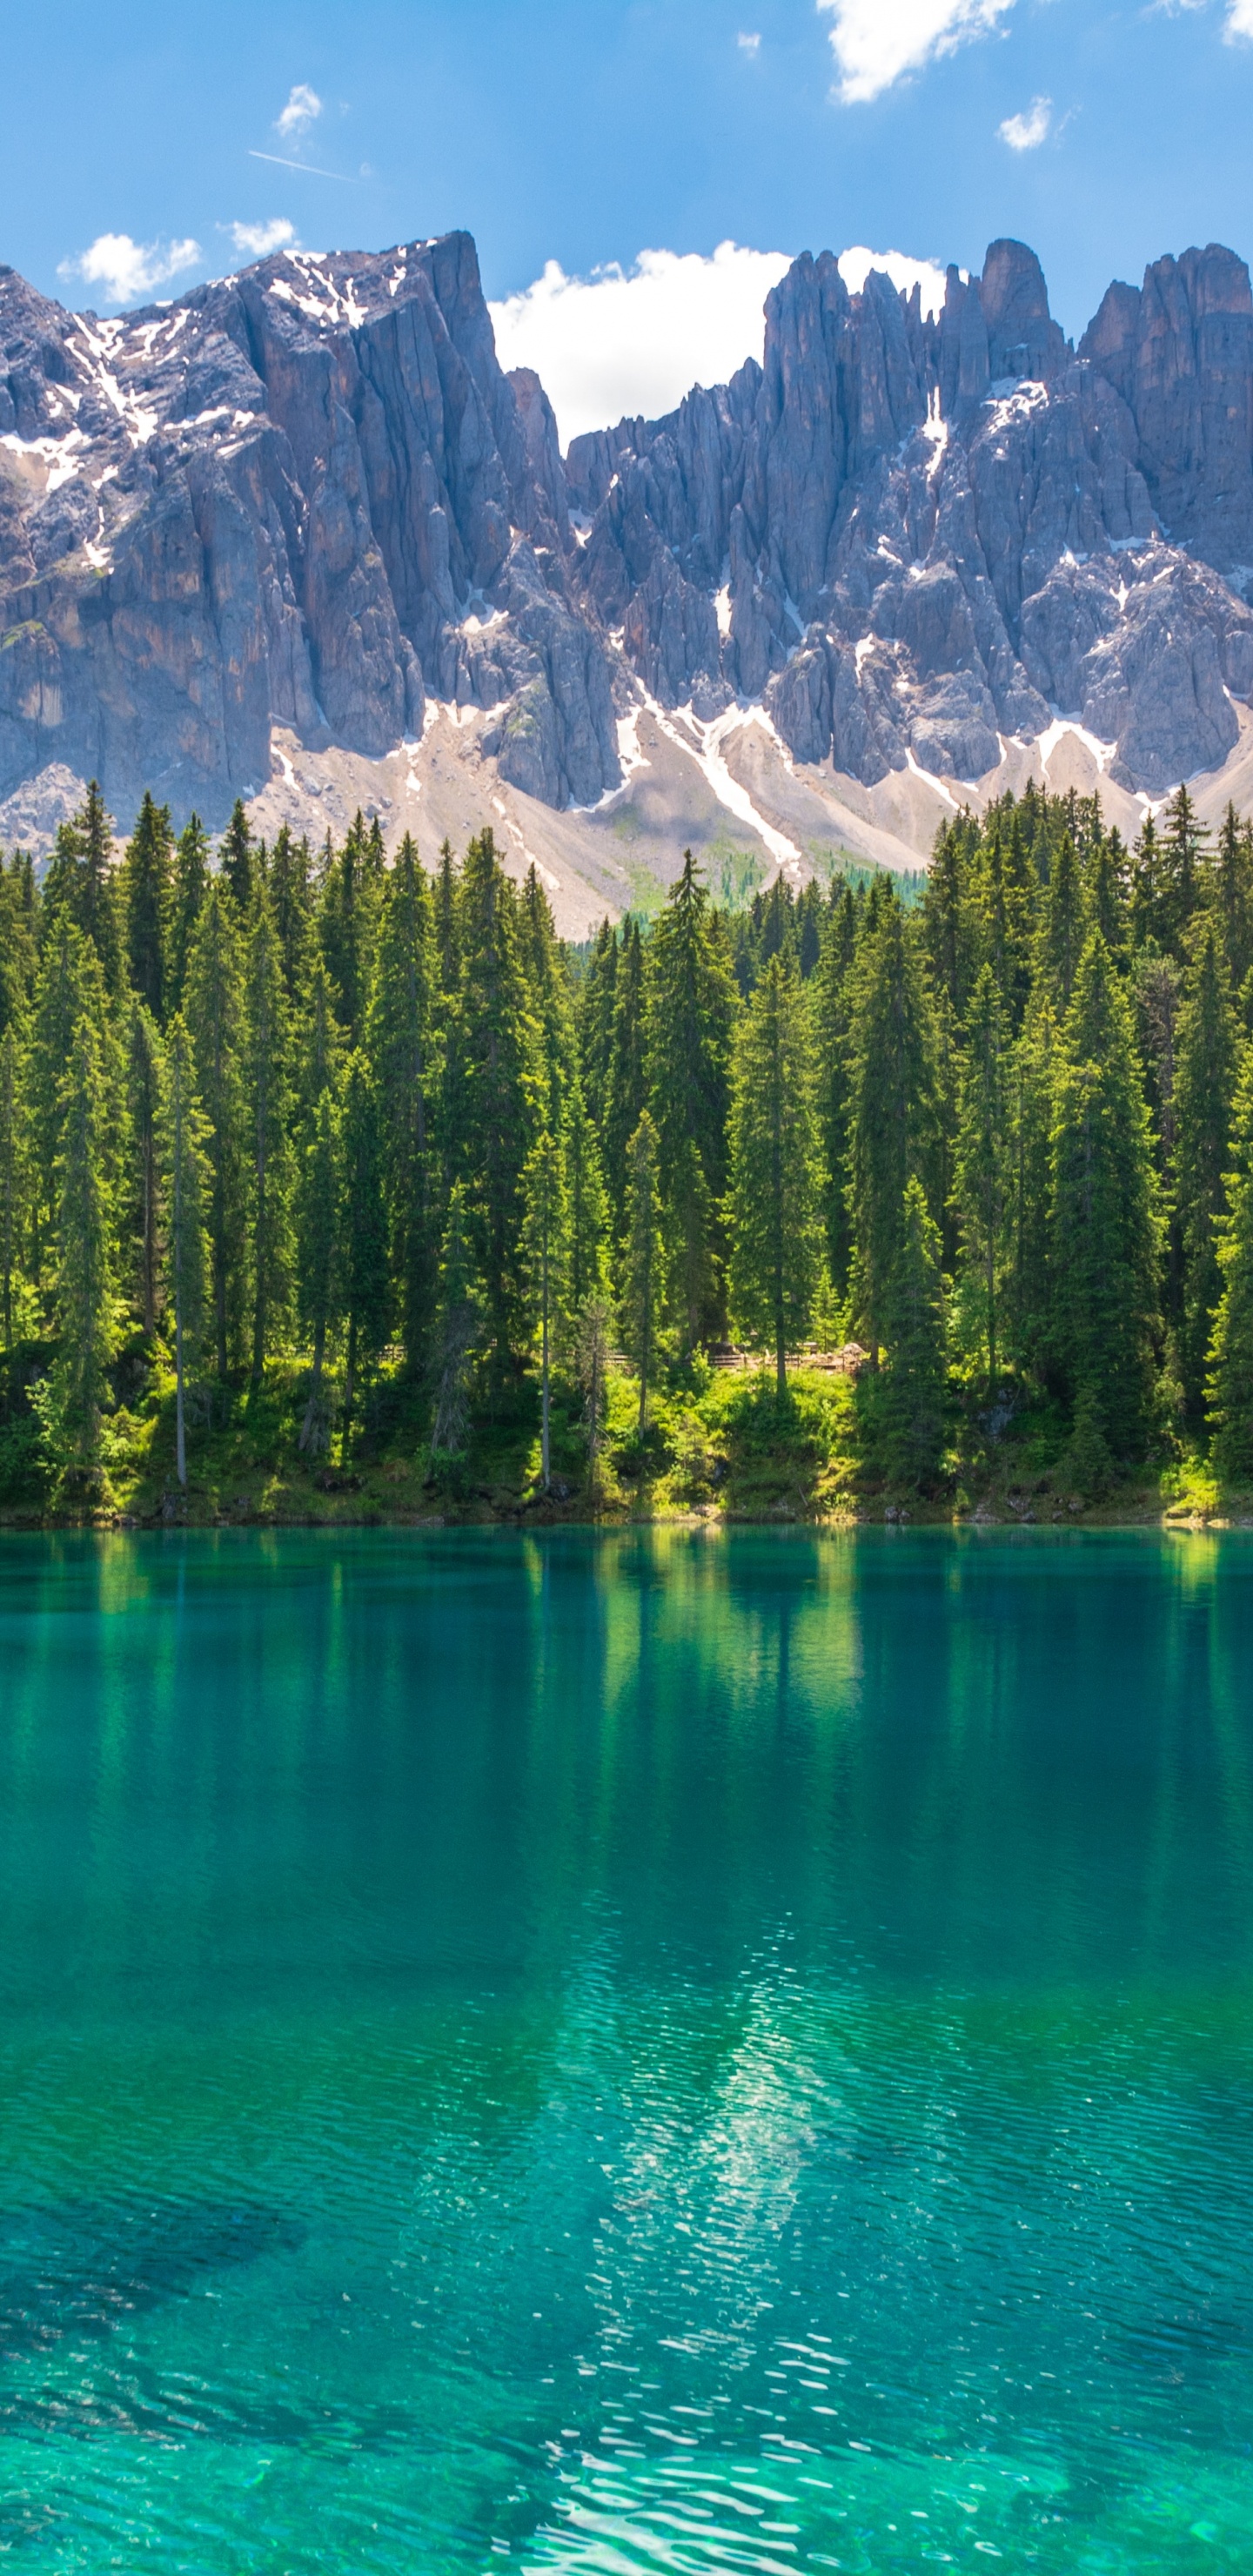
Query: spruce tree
x=690 y=1009
x=319 y=1046
x=585 y=1192
x=596 y=1013
x=1105 y=1227
x=404 y=1054
x=237 y=860
x=86 y=1298
x=320 y=1252
x=893 y=1114
x=458 y=1326
x=495 y=1047
x=774 y=1198
x=983 y=1171
x=551 y=1001
x=1208 y=1043
x=912 y=1398
x=146 y=891
x=18 y=951
x=643 y=1297
x=1230 y=1383
x=189 y=886
x=289 y=879
x=347 y=921
x=1062 y=928
x=143 y=1100
x=545 y=1247
x=69 y=986
x=1233 y=894
x=366 y=1287
x=1028 y=1277
x=831 y=1006
x=216 y=1018
x=13 y=1174
x=186 y=1185
x=626 y=1086
x=266 y=1074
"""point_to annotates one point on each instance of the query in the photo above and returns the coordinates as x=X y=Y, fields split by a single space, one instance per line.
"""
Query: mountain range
x=297 y=538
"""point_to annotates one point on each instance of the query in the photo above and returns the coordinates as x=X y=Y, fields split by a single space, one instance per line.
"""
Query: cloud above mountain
x=129 y=271
x=630 y=341
x=876 y=42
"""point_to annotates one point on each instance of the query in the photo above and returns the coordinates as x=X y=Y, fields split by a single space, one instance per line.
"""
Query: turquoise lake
x=651 y=2052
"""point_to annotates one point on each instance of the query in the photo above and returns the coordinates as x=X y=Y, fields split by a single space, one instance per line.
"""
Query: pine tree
x=1208 y=1042
x=1105 y=1229
x=830 y=1003
x=320 y=1252
x=1028 y=1275
x=186 y=1184
x=546 y=1231
x=1233 y=895
x=492 y=1119
x=320 y=1046
x=143 y=1092
x=690 y=1009
x=347 y=922
x=447 y=925
x=912 y=1400
x=13 y=1174
x=1184 y=864
x=237 y=860
x=1062 y=928
x=551 y=1001
x=69 y=986
x=366 y=1287
x=290 y=884
x=190 y=885
x=983 y=1172
x=626 y=1085
x=82 y=880
x=459 y=1323
x=216 y=1018
x=146 y=891
x=585 y=1192
x=643 y=1298
x=87 y=1303
x=1230 y=1384
x=592 y=1364
x=266 y=1075
x=774 y=1195
x=404 y=1055
x=18 y=952
x=596 y=1016
x=893 y=1120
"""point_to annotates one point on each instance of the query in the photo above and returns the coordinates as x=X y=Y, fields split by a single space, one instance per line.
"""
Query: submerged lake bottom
x=653 y=2052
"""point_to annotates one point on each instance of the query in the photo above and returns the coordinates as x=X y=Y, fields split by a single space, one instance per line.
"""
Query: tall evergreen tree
x=831 y=1005
x=87 y=1302
x=403 y=1051
x=13 y=1174
x=143 y=1100
x=775 y=1190
x=596 y=1022
x=69 y=987
x=1204 y=1092
x=1105 y=1229
x=290 y=881
x=458 y=1325
x=546 y=1246
x=366 y=1287
x=626 y=1084
x=216 y=1018
x=643 y=1297
x=146 y=891
x=585 y=1191
x=82 y=880
x=912 y=1399
x=18 y=952
x=267 y=1082
x=237 y=860
x=689 y=1017
x=493 y=1116
x=189 y=886
x=893 y=1120
x=1230 y=1385
x=347 y=922
x=983 y=1170
x=320 y=1252
x=186 y=1182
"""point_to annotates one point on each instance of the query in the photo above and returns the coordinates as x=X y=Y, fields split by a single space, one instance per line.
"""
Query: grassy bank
x=717 y=1446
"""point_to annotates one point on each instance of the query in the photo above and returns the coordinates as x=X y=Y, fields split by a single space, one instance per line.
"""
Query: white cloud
x=616 y=344
x=905 y=273
x=129 y=270
x=875 y=42
x=1239 y=21
x=1024 y=132
x=302 y=110
x=751 y=45
x=256 y=241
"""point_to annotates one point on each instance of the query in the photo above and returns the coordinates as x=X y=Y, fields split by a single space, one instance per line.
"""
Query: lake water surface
x=657 y=2052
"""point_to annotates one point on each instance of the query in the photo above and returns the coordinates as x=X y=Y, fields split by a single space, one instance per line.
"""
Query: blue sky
x=587 y=134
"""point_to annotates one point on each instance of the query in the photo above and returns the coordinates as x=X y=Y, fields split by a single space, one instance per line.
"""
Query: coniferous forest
x=330 y=1183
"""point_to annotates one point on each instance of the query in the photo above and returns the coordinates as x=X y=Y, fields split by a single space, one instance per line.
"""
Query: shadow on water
x=83 y=2269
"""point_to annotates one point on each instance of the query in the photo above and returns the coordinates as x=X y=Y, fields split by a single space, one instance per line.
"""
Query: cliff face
x=309 y=497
